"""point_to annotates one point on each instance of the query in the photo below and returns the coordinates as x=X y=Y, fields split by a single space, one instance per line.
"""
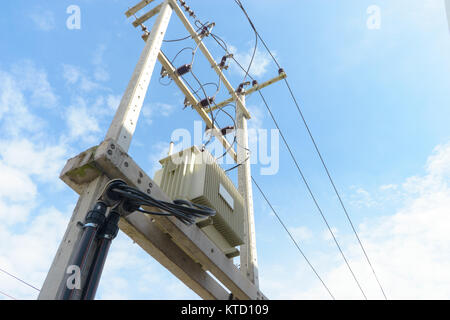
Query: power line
x=223 y=45
x=312 y=195
x=18 y=279
x=292 y=238
x=316 y=148
x=259 y=188
x=7 y=295
x=336 y=192
x=257 y=36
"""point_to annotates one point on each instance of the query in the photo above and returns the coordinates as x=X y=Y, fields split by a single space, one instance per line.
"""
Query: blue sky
x=376 y=100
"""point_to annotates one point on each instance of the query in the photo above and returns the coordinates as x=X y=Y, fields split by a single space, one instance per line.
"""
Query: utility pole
x=184 y=250
x=121 y=131
x=249 y=263
x=447 y=9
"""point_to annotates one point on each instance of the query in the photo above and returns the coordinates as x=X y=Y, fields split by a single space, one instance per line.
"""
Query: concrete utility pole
x=249 y=263
x=447 y=9
x=121 y=130
x=184 y=250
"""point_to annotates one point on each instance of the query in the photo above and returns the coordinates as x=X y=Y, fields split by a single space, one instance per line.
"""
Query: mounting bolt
x=110 y=152
x=112 y=146
x=126 y=164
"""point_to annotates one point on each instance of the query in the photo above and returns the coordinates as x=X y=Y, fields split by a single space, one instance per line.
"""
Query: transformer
x=195 y=176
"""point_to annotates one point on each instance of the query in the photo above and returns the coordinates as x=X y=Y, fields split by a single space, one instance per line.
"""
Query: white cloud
x=44 y=20
x=363 y=199
x=160 y=150
x=31 y=79
x=30 y=162
x=82 y=123
x=26 y=152
x=408 y=249
x=301 y=234
x=326 y=234
x=34 y=158
x=388 y=187
x=76 y=76
x=100 y=72
x=113 y=102
x=15 y=113
x=150 y=111
x=261 y=61
x=71 y=73
x=17 y=195
x=30 y=251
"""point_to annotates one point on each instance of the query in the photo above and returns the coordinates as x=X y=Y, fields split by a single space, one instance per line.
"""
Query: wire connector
x=184 y=69
x=96 y=216
x=240 y=89
x=145 y=34
x=205 y=103
x=222 y=65
x=110 y=228
x=227 y=130
x=206 y=30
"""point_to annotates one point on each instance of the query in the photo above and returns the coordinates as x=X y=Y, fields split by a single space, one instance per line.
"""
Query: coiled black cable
x=187 y=212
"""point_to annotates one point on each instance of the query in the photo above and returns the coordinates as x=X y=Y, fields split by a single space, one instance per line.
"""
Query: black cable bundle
x=185 y=211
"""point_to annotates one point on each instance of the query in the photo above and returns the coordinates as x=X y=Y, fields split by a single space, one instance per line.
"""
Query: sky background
x=377 y=102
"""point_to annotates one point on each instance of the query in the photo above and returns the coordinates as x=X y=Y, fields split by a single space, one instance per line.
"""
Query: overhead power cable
x=7 y=295
x=292 y=238
x=316 y=148
x=18 y=279
x=223 y=45
x=312 y=195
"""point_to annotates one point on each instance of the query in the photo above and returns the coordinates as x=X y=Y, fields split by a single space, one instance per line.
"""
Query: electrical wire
x=303 y=178
x=223 y=45
x=185 y=211
x=252 y=59
x=312 y=195
x=247 y=71
x=7 y=295
x=292 y=238
x=205 y=27
x=317 y=150
x=176 y=40
x=338 y=194
x=209 y=104
x=18 y=279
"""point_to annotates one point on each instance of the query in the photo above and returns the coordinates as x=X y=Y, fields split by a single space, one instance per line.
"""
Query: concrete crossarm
x=184 y=250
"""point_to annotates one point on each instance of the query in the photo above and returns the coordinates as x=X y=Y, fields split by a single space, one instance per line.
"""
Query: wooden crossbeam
x=147 y=16
x=253 y=89
x=208 y=56
x=195 y=104
x=184 y=250
x=138 y=7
